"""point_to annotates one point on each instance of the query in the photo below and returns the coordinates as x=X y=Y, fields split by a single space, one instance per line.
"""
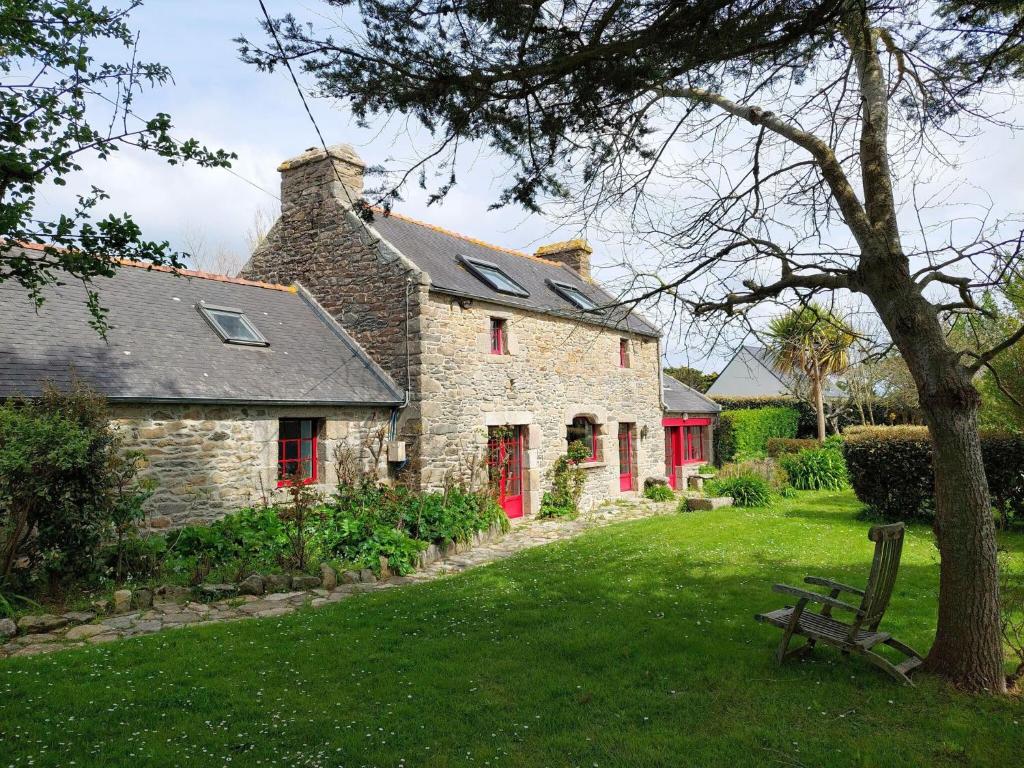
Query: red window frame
x=499 y=341
x=590 y=435
x=298 y=451
x=623 y=353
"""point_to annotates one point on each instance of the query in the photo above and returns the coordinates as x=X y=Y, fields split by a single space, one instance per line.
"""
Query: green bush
x=807 y=422
x=746 y=490
x=567 y=481
x=777 y=446
x=765 y=469
x=65 y=486
x=658 y=493
x=890 y=469
x=745 y=434
x=816 y=469
x=355 y=527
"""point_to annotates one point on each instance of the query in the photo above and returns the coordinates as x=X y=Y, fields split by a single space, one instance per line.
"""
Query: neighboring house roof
x=680 y=398
x=752 y=373
x=436 y=251
x=160 y=348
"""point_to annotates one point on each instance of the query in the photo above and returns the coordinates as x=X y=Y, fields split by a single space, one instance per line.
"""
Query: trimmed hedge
x=779 y=446
x=890 y=469
x=807 y=425
x=745 y=433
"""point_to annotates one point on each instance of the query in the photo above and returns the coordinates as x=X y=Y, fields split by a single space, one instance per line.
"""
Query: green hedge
x=807 y=425
x=890 y=469
x=780 y=446
x=745 y=433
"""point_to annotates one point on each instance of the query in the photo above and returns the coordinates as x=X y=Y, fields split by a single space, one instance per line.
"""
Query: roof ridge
x=467 y=238
x=206 y=275
x=179 y=271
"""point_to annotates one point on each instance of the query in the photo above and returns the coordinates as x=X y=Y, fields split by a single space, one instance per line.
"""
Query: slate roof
x=679 y=398
x=436 y=252
x=159 y=348
x=791 y=379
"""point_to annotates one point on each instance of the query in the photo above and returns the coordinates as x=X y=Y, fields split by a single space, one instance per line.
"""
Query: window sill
x=592 y=464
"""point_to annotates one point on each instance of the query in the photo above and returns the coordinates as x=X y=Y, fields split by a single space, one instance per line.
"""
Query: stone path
x=53 y=633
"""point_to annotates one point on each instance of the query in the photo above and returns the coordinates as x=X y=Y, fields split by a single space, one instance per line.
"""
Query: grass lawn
x=633 y=645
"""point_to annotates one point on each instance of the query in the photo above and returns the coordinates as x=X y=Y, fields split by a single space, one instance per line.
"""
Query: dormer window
x=232 y=326
x=574 y=295
x=494 y=276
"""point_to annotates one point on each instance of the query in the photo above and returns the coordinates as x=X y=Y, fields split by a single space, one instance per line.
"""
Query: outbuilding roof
x=437 y=252
x=160 y=348
x=679 y=398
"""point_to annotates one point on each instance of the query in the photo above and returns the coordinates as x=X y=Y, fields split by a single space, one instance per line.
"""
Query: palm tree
x=812 y=342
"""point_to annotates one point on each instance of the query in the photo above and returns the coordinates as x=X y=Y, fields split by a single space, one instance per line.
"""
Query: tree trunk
x=968 y=649
x=819 y=406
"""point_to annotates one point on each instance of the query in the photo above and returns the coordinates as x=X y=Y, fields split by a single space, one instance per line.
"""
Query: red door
x=673 y=453
x=625 y=457
x=505 y=462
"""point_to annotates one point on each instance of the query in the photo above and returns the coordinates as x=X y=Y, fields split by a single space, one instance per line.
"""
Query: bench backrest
x=888 y=548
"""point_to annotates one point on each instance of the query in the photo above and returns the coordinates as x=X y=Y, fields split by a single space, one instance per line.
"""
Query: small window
x=623 y=353
x=298 y=451
x=499 y=336
x=582 y=429
x=232 y=326
x=494 y=276
x=574 y=295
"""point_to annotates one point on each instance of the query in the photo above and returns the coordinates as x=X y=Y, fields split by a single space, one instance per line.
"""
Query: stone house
x=505 y=356
x=229 y=387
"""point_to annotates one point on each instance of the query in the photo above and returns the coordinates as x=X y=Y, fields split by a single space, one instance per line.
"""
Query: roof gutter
x=250 y=401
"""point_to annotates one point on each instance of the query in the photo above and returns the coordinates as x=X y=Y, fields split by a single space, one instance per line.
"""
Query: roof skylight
x=494 y=276
x=575 y=295
x=232 y=326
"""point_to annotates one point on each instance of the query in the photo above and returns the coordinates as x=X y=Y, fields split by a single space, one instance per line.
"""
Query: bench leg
x=787 y=634
x=888 y=668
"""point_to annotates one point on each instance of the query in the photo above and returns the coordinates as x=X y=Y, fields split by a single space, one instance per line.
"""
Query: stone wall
x=212 y=460
x=370 y=289
x=555 y=369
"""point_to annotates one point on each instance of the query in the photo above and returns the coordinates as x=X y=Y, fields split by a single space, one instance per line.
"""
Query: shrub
x=890 y=469
x=357 y=526
x=567 y=480
x=765 y=469
x=63 y=480
x=777 y=446
x=744 y=434
x=816 y=469
x=237 y=545
x=746 y=490
x=659 y=493
x=807 y=423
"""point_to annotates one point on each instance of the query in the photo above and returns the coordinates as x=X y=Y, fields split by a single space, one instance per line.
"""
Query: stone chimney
x=314 y=176
x=572 y=253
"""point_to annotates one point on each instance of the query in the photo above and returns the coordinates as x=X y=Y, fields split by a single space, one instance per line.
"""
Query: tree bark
x=819 y=406
x=968 y=648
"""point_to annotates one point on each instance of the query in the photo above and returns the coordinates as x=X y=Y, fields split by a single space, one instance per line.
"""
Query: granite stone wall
x=209 y=461
x=555 y=369
x=373 y=291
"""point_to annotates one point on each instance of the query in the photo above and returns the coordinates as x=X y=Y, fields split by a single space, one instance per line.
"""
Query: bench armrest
x=814 y=597
x=819 y=581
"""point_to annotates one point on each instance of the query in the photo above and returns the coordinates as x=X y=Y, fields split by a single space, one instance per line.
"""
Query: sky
x=225 y=103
